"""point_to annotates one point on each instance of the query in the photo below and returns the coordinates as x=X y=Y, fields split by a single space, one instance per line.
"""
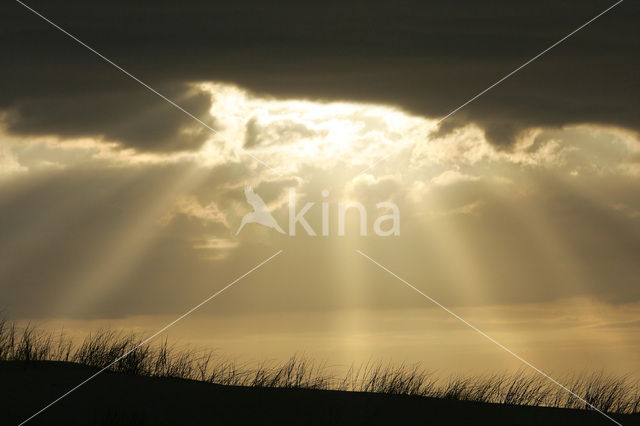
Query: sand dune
x=120 y=399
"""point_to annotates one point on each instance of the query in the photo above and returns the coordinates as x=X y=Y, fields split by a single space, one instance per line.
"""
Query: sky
x=520 y=212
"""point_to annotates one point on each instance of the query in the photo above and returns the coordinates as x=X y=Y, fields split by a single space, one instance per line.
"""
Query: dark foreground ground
x=118 y=399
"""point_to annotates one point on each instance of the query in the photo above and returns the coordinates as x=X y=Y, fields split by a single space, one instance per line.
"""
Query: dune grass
x=613 y=394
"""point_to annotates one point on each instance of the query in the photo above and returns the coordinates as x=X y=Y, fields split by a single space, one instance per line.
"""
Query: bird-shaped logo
x=260 y=213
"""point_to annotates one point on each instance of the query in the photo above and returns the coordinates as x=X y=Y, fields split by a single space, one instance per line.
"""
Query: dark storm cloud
x=131 y=116
x=425 y=57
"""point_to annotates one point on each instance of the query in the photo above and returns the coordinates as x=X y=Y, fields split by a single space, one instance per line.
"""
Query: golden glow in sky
x=537 y=242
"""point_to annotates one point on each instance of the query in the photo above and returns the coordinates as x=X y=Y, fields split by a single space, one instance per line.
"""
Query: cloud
x=368 y=188
x=479 y=225
x=471 y=208
x=426 y=59
x=622 y=324
x=450 y=177
x=216 y=249
x=8 y=162
x=91 y=238
x=280 y=132
x=190 y=207
x=133 y=117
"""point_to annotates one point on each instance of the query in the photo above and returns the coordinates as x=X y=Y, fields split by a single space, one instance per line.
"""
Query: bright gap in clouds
x=290 y=134
x=326 y=132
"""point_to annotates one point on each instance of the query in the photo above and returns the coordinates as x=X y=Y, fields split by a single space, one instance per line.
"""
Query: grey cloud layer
x=426 y=58
x=131 y=117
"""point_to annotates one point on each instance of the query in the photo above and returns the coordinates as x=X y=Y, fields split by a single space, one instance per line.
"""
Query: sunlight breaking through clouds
x=324 y=144
x=294 y=132
x=297 y=134
x=480 y=225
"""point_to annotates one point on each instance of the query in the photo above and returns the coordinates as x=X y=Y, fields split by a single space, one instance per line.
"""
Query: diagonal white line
x=127 y=73
x=149 y=338
x=500 y=345
x=498 y=82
